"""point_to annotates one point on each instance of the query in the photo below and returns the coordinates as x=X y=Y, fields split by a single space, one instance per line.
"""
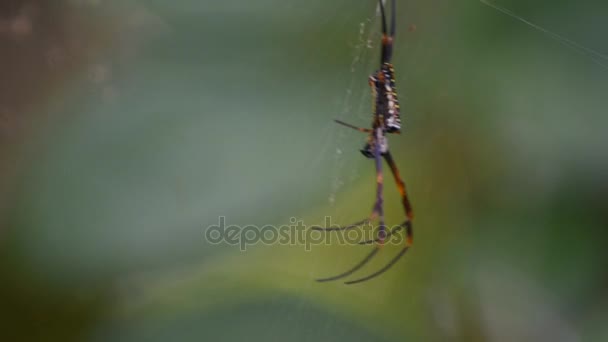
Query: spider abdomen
x=392 y=118
x=386 y=101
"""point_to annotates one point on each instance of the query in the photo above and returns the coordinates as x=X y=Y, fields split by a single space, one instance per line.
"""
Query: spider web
x=356 y=101
x=594 y=55
x=346 y=164
x=339 y=148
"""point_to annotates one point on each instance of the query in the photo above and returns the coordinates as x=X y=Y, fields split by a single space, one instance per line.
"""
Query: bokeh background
x=129 y=127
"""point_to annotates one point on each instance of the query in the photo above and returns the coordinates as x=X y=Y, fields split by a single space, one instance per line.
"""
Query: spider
x=386 y=119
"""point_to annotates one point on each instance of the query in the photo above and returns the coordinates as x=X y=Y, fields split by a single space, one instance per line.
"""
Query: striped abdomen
x=386 y=101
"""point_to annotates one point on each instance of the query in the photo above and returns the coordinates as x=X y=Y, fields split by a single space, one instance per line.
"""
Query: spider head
x=379 y=138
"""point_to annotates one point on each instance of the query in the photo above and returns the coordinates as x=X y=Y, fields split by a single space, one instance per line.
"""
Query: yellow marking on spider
x=383 y=106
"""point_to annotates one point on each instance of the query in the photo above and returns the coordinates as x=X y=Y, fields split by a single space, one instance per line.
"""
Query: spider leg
x=378 y=210
x=375 y=209
x=407 y=206
x=392 y=232
x=387 y=39
x=379 y=188
x=380 y=271
x=382 y=14
x=362 y=262
x=350 y=226
x=393 y=18
x=364 y=130
x=354 y=269
x=407 y=224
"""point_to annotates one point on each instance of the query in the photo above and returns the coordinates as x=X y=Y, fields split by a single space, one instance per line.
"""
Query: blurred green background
x=129 y=127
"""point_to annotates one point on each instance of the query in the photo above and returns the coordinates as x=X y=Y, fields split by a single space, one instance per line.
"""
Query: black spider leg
x=407 y=224
x=407 y=207
x=380 y=271
x=392 y=232
x=358 y=223
x=378 y=210
x=352 y=270
x=387 y=38
x=364 y=130
x=338 y=228
x=405 y=200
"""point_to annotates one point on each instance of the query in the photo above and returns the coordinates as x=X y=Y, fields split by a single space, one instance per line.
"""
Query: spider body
x=386 y=119
x=385 y=97
x=385 y=108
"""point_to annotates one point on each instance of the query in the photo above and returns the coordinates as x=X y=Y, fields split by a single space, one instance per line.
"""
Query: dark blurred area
x=43 y=45
x=128 y=127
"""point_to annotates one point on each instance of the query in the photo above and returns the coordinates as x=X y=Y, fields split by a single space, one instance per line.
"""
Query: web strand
x=597 y=57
